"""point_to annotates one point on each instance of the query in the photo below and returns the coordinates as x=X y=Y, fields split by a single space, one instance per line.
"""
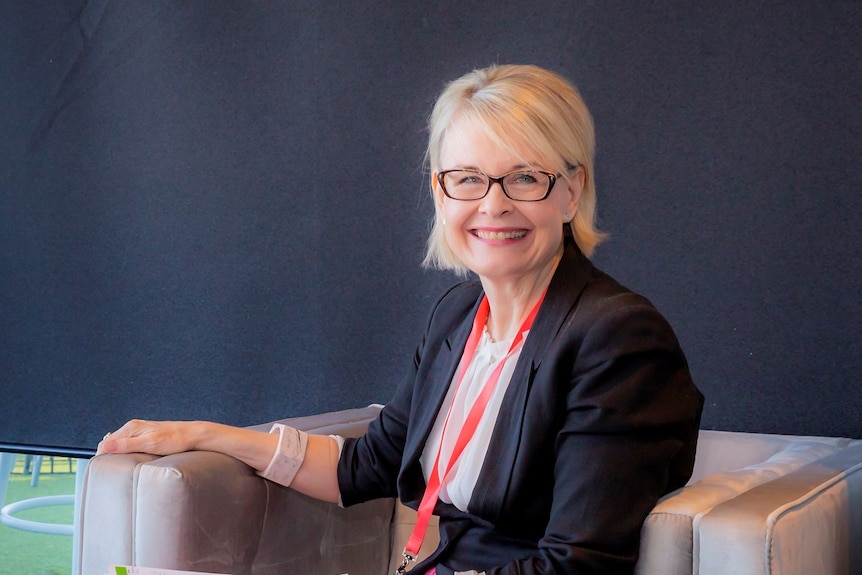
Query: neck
x=511 y=301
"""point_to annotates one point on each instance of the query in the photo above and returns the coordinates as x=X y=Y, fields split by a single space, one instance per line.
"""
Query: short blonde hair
x=514 y=104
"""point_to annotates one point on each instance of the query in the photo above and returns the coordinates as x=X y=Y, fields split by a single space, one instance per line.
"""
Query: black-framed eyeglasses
x=520 y=185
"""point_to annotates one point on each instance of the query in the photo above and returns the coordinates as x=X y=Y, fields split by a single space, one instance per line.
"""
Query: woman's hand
x=156 y=437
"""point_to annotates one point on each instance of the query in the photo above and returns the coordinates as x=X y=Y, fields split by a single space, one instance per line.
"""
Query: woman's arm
x=316 y=476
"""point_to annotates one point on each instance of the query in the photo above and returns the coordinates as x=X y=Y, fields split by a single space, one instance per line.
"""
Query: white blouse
x=458 y=489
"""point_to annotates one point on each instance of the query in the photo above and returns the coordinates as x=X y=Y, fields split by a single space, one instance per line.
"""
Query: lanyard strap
x=432 y=490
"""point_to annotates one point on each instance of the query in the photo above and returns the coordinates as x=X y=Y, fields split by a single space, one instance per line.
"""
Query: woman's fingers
x=139 y=436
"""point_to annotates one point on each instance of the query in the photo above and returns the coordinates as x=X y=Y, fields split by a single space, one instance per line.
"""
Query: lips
x=492 y=235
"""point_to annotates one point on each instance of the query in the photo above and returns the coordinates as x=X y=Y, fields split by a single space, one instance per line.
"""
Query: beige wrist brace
x=288 y=456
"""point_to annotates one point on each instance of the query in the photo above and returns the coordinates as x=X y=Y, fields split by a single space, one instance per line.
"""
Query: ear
x=576 y=186
x=437 y=192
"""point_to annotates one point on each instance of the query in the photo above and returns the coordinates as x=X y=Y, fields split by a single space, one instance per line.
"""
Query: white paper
x=131 y=570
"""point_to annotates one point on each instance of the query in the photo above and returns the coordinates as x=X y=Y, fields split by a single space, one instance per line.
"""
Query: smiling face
x=500 y=239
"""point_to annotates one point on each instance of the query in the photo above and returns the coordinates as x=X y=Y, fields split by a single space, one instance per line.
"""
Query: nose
x=496 y=202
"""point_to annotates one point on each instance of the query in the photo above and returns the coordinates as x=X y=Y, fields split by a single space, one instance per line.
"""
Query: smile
x=513 y=235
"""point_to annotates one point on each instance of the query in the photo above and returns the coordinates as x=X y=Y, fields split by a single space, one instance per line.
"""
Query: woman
x=548 y=407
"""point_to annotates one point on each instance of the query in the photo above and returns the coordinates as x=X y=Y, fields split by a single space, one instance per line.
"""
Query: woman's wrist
x=203 y=435
x=253 y=448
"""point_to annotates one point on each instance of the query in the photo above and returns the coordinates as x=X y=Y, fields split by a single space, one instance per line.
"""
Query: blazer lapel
x=432 y=386
x=563 y=293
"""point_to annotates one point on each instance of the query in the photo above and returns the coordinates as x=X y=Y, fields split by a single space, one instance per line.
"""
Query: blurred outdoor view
x=27 y=553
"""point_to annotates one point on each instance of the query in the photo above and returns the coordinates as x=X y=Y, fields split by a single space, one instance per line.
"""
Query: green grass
x=26 y=553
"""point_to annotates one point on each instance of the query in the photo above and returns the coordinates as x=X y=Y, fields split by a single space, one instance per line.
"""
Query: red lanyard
x=432 y=490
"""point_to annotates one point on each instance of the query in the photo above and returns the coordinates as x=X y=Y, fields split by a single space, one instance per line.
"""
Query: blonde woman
x=548 y=407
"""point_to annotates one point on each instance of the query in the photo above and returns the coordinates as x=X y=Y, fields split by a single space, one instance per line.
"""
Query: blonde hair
x=513 y=104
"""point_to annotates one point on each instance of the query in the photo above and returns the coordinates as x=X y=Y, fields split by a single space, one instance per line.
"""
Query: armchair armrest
x=203 y=511
x=740 y=520
x=808 y=521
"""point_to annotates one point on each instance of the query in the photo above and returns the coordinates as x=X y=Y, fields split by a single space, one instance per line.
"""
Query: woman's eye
x=469 y=179
x=523 y=178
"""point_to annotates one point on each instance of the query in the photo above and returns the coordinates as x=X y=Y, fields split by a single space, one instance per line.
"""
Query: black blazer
x=600 y=420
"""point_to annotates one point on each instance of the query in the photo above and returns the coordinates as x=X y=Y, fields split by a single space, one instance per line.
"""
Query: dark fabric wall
x=218 y=209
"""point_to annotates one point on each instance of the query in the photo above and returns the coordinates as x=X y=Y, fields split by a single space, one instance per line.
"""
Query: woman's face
x=498 y=238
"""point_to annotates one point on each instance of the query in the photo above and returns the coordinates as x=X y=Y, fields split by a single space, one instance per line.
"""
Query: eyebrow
x=515 y=168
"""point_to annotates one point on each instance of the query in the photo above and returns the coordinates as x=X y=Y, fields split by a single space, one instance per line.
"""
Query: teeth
x=500 y=235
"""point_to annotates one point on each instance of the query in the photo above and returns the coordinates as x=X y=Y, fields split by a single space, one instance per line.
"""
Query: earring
x=568 y=217
x=444 y=221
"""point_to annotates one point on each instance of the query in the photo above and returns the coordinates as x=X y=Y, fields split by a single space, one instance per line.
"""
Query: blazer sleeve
x=627 y=437
x=369 y=465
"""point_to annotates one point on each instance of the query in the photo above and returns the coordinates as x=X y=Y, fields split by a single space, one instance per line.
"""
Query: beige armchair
x=756 y=504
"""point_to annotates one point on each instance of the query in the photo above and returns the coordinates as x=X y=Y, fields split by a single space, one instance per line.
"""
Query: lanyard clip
x=408 y=558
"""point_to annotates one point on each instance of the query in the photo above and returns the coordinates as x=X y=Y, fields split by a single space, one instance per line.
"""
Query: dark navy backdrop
x=218 y=209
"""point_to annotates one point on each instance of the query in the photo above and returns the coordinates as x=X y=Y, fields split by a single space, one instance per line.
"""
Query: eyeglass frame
x=552 y=181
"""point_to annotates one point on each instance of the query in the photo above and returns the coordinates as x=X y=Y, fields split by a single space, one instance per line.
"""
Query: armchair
x=756 y=504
